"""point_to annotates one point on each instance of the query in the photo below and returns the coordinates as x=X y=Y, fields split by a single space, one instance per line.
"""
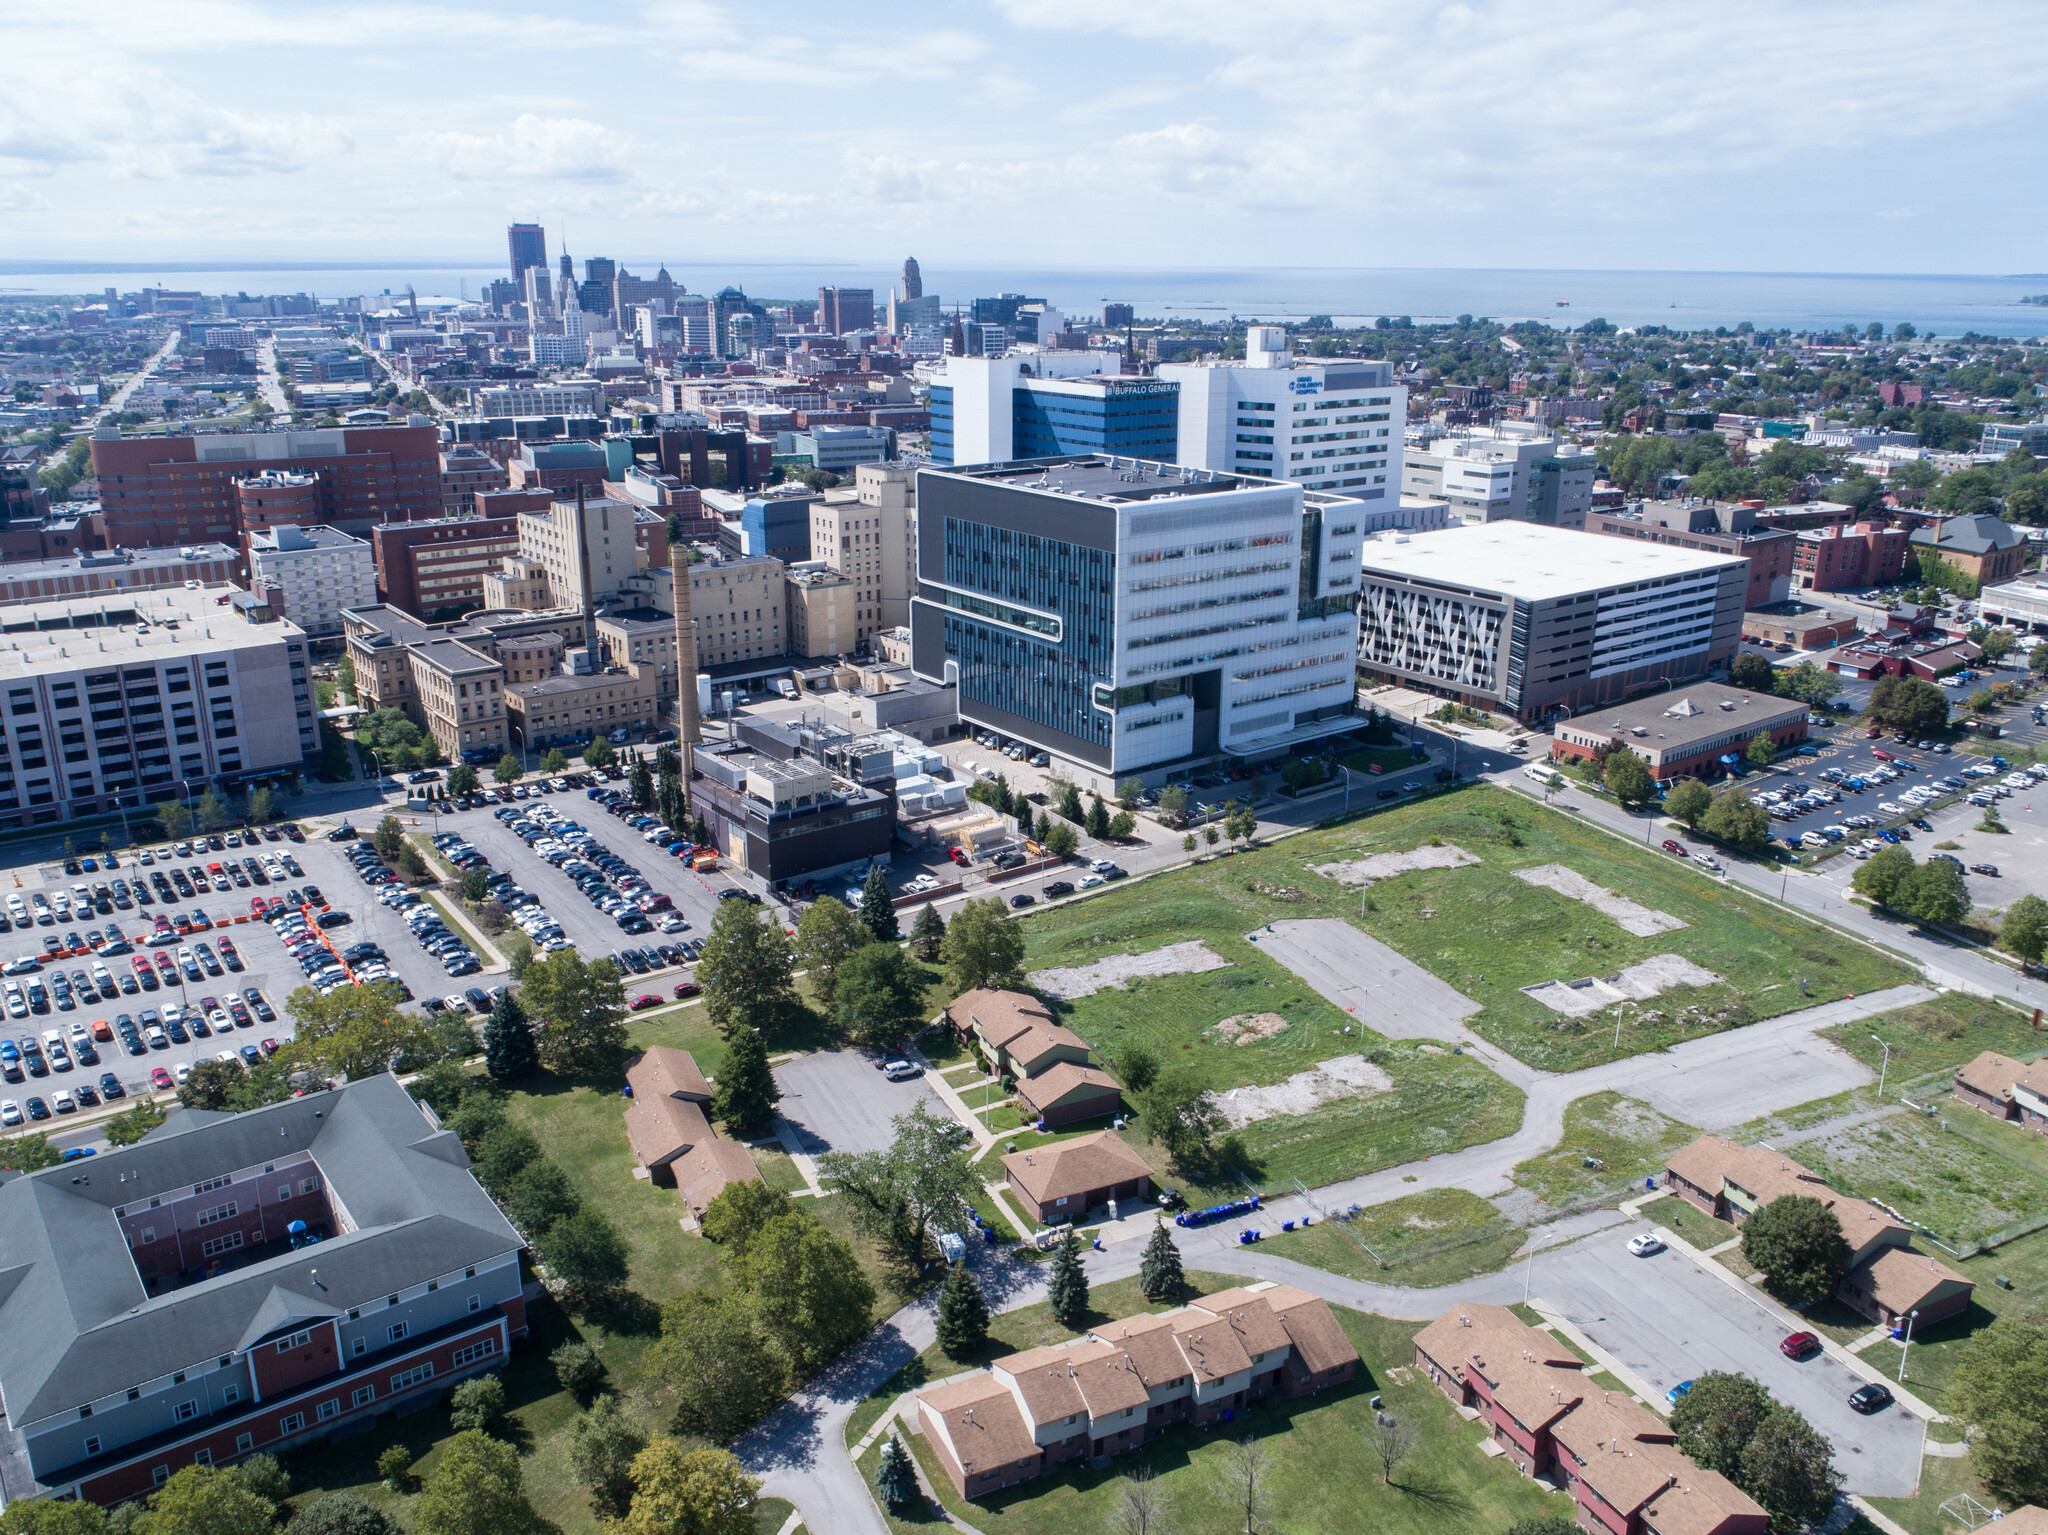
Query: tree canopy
x=983 y=947
x=1797 y=1242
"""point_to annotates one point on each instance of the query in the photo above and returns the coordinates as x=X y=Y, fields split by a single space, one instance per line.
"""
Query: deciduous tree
x=826 y=938
x=724 y=1369
x=582 y=1013
x=690 y=1492
x=1935 y=892
x=2001 y=1388
x=1179 y=1114
x=922 y=1179
x=476 y=1489
x=2025 y=929
x=1716 y=1419
x=1688 y=800
x=1738 y=821
x=745 y=970
x=1787 y=1467
x=983 y=947
x=508 y=769
x=602 y=1444
x=206 y=1500
x=806 y=1285
x=1750 y=670
x=1628 y=778
x=342 y=1513
x=1762 y=751
x=354 y=1031
x=1143 y=1506
x=211 y=1085
x=881 y=990
x=1797 y=1242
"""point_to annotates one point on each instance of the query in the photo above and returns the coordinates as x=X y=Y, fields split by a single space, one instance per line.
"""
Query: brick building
x=1128 y=1381
x=1725 y=528
x=1842 y=557
x=243 y=1283
x=1065 y=1180
x=425 y=567
x=2006 y=1089
x=1683 y=736
x=181 y=489
x=1984 y=547
x=1620 y=1461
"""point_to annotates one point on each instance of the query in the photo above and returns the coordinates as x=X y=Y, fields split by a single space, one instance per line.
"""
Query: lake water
x=1941 y=304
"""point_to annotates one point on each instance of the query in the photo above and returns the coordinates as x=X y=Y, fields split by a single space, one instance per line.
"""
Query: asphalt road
x=1667 y=1321
x=836 y=1100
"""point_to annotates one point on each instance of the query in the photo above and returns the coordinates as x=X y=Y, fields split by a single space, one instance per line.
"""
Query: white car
x=181 y=1071
x=455 y=1003
x=1090 y=881
x=1103 y=865
x=1645 y=1245
x=672 y=923
x=10 y=1112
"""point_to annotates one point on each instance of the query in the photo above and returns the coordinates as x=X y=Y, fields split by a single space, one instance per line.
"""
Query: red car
x=687 y=989
x=644 y=1001
x=1676 y=849
x=160 y=1079
x=1798 y=1345
x=270 y=1047
x=169 y=971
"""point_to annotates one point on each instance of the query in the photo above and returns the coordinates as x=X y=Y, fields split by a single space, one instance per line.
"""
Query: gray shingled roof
x=75 y=1320
x=1970 y=535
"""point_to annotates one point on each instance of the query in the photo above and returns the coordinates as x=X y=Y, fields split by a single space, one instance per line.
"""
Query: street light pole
x=1906 y=1347
x=1885 y=1070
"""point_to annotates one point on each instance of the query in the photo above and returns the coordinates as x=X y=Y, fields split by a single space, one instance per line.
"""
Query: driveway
x=835 y=1100
x=1667 y=1321
x=1389 y=992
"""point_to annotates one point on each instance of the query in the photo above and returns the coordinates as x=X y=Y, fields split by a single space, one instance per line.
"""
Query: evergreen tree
x=1067 y=1287
x=746 y=1094
x=895 y=1478
x=1159 y=1271
x=963 y=1313
x=877 y=908
x=508 y=1040
x=1098 y=818
x=928 y=934
x=640 y=784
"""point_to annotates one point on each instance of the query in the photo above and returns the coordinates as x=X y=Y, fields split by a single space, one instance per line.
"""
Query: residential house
x=1065 y=1094
x=1067 y=1179
x=1886 y=1280
x=1619 y=1461
x=1018 y=1037
x=670 y=1131
x=1125 y=1382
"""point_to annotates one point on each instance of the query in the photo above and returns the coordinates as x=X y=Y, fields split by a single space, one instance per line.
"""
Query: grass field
x=1689 y=1222
x=1630 y=1141
x=1436 y=1237
x=1323 y=1480
x=1940 y=1480
x=1478 y=928
x=1961 y=1175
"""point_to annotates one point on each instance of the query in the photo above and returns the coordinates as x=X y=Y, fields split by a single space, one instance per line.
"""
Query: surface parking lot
x=837 y=1100
x=1666 y=1321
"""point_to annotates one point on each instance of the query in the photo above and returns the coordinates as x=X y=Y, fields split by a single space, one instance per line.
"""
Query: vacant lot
x=1960 y=1175
x=1435 y=1237
x=1479 y=928
x=1629 y=1140
x=1323 y=1479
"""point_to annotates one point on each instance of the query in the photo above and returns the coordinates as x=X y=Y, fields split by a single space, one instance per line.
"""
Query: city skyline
x=1477 y=135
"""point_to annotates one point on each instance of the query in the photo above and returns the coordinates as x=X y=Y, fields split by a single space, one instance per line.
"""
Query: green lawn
x=1630 y=1141
x=1930 y=1040
x=1689 y=1222
x=1436 y=1237
x=1961 y=1175
x=1323 y=1480
x=1392 y=761
x=1940 y=1480
x=1478 y=928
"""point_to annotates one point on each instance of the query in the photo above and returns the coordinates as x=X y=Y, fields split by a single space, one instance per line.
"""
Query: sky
x=1748 y=135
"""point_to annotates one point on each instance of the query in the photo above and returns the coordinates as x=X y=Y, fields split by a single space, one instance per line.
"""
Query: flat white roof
x=1520 y=559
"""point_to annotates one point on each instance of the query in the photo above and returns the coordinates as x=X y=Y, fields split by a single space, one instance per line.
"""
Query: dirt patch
x=1348 y=1076
x=1246 y=1027
x=1631 y=916
x=1363 y=871
x=1591 y=994
x=1121 y=969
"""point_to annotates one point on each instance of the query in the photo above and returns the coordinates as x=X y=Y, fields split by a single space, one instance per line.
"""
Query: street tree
x=1716 y=1419
x=553 y=762
x=922 y=1179
x=508 y=769
x=963 y=1314
x=2001 y=1390
x=1160 y=1276
x=1935 y=892
x=175 y=818
x=1797 y=1243
x=1787 y=1466
x=1067 y=1284
x=746 y=1094
x=1129 y=791
x=1627 y=777
x=983 y=947
x=1688 y=800
x=1738 y=821
x=826 y=938
x=928 y=934
x=461 y=780
x=476 y=1489
x=745 y=970
x=1883 y=875
x=599 y=753
x=389 y=836
x=354 y=1031
x=881 y=993
x=581 y=1010
x=877 y=906
x=1061 y=842
x=2025 y=929
x=1762 y=751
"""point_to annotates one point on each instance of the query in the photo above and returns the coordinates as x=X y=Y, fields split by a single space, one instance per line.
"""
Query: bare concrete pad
x=1389 y=992
x=1726 y=1079
x=1243 y=1028
x=1363 y=871
x=1659 y=973
x=1120 y=969
x=1630 y=916
x=1348 y=1076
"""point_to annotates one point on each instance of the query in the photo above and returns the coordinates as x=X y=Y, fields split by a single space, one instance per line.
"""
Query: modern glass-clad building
x=1042 y=404
x=1131 y=616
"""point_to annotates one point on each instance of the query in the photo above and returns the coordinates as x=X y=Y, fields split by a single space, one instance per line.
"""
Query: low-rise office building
x=451 y=689
x=117 y=701
x=821 y=611
x=116 y=570
x=792 y=818
x=1696 y=734
x=465 y=470
x=1722 y=526
x=1843 y=557
x=320 y=572
x=169 y=1311
x=1514 y=472
x=1541 y=623
x=2022 y=604
x=436 y=569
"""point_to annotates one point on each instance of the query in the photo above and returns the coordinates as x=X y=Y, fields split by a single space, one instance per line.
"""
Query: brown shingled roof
x=1150 y=1345
x=1319 y=1339
x=1062 y=1078
x=982 y=1420
x=662 y=1071
x=1900 y=1279
x=1044 y=1377
x=708 y=1167
x=1106 y=1377
x=1991 y=1074
x=1213 y=1349
x=1250 y=1315
x=999 y=1016
x=1066 y=1168
x=662 y=1129
x=1698 y=1501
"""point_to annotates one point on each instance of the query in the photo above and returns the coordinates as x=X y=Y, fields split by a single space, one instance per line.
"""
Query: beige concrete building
x=869 y=535
x=611 y=551
x=823 y=611
x=452 y=689
x=577 y=706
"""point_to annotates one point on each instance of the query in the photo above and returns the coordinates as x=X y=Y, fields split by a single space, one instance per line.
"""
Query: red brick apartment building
x=181 y=489
x=1620 y=1461
x=239 y=1283
x=1840 y=558
x=1128 y=1381
x=424 y=567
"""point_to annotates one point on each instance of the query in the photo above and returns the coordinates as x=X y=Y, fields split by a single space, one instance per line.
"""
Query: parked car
x=1798 y=1345
x=1868 y=1399
x=1675 y=848
x=1645 y=1245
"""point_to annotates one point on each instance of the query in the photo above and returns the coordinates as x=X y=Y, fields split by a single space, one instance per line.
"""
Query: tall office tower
x=1117 y=316
x=841 y=310
x=528 y=244
x=726 y=303
x=540 y=302
x=1331 y=426
x=566 y=296
x=599 y=269
x=1133 y=617
x=913 y=279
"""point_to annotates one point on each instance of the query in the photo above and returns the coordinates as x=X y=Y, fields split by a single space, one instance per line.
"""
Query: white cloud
x=537 y=148
x=16 y=198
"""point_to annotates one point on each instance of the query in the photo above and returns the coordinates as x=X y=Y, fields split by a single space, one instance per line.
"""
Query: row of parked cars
x=370 y=962
x=611 y=884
